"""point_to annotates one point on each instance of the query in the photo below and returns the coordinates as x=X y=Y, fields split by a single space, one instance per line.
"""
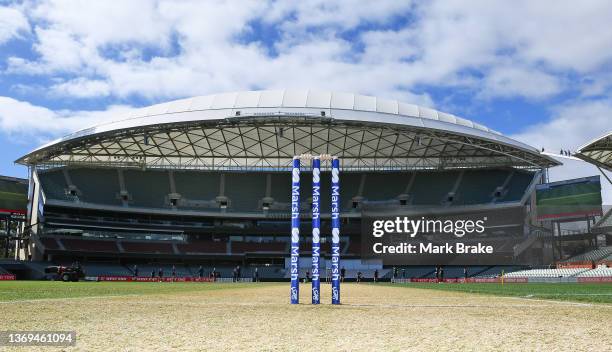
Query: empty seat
x=431 y=188
x=105 y=269
x=49 y=243
x=196 y=185
x=75 y=244
x=147 y=188
x=600 y=271
x=245 y=190
x=263 y=247
x=593 y=255
x=517 y=186
x=99 y=186
x=385 y=185
x=202 y=246
x=478 y=186
x=547 y=273
x=54 y=185
x=148 y=247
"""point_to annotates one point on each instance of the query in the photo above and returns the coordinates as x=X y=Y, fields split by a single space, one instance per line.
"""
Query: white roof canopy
x=265 y=129
x=598 y=152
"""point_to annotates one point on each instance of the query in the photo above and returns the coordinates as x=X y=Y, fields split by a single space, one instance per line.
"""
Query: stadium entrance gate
x=316 y=228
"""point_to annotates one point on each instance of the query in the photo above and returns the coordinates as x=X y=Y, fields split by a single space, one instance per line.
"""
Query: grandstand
x=595 y=255
x=600 y=271
x=547 y=273
x=562 y=273
x=205 y=181
x=250 y=193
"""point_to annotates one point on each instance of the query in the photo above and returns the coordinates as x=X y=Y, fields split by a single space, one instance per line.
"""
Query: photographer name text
x=430 y=248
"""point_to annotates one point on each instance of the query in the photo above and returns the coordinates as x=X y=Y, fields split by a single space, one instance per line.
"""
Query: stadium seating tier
x=246 y=191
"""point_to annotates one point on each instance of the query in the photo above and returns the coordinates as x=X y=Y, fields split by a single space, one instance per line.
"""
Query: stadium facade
x=205 y=180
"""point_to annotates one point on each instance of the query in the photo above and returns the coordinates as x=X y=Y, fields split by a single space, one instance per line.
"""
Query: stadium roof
x=598 y=152
x=265 y=129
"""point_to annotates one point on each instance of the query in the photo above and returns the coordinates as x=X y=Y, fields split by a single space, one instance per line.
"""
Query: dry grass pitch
x=258 y=317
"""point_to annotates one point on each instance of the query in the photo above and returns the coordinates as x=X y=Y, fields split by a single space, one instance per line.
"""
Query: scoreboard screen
x=568 y=199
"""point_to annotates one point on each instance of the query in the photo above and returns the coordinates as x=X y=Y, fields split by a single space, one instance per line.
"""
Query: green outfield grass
x=10 y=200
x=594 y=293
x=27 y=290
x=30 y=290
x=574 y=199
x=552 y=203
x=13 y=196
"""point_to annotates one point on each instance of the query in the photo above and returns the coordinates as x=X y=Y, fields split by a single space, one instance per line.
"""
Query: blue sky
x=536 y=71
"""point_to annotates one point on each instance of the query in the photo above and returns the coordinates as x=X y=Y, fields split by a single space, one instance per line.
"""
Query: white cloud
x=563 y=34
x=165 y=49
x=101 y=23
x=345 y=14
x=515 y=81
x=20 y=118
x=60 y=49
x=570 y=126
x=12 y=23
x=554 y=33
x=82 y=88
